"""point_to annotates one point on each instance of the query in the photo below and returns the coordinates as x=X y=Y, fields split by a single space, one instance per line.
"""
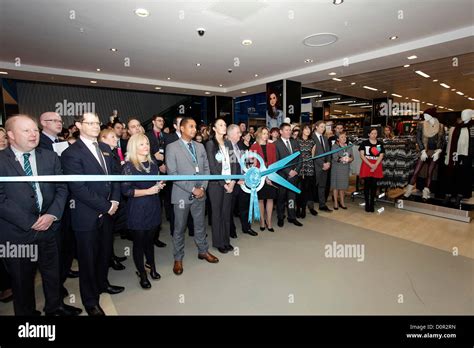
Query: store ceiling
x=55 y=47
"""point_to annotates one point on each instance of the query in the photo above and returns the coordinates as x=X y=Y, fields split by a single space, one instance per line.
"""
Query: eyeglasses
x=55 y=121
x=90 y=124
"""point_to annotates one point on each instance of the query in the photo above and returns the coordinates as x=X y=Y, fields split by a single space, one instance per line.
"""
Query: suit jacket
x=318 y=163
x=156 y=145
x=123 y=146
x=215 y=167
x=18 y=210
x=180 y=162
x=45 y=142
x=90 y=199
x=282 y=152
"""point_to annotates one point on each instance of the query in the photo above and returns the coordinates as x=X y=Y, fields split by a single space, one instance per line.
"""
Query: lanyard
x=195 y=161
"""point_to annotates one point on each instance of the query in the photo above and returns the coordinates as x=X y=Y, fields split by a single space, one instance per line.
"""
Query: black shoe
x=303 y=213
x=295 y=222
x=36 y=313
x=229 y=247
x=95 y=311
x=154 y=274
x=62 y=311
x=64 y=292
x=367 y=208
x=74 y=310
x=117 y=266
x=73 y=274
x=251 y=232
x=325 y=209
x=119 y=258
x=222 y=250
x=159 y=243
x=336 y=208
x=343 y=207
x=113 y=289
x=280 y=223
x=313 y=212
x=262 y=228
x=144 y=282
x=233 y=235
x=270 y=229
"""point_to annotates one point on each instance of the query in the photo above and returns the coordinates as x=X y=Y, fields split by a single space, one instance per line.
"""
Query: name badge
x=197 y=169
x=161 y=151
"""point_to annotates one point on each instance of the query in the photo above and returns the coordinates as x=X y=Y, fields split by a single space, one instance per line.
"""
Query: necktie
x=101 y=159
x=288 y=146
x=29 y=172
x=191 y=148
x=322 y=143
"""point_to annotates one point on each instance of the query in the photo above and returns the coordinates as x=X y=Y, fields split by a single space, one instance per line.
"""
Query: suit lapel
x=40 y=166
x=89 y=156
x=14 y=162
x=187 y=153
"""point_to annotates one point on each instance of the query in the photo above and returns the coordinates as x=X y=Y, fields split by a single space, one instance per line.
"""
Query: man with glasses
x=92 y=206
x=52 y=125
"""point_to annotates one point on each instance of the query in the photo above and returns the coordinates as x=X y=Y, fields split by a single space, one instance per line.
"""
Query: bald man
x=29 y=218
x=52 y=125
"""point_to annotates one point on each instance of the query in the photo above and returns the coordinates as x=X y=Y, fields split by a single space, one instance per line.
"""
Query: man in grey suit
x=187 y=157
x=285 y=146
x=321 y=165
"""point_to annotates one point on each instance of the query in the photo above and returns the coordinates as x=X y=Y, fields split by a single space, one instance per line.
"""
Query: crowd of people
x=78 y=219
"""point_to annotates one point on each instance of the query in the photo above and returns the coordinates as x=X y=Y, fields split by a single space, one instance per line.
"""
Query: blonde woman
x=143 y=205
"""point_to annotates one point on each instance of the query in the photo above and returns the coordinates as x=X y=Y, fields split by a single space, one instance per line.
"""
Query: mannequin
x=430 y=139
x=459 y=155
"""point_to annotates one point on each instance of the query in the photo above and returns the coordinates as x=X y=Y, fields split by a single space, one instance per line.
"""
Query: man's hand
x=113 y=208
x=198 y=192
x=159 y=156
x=229 y=187
x=162 y=168
x=292 y=173
x=44 y=222
x=326 y=165
x=240 y=182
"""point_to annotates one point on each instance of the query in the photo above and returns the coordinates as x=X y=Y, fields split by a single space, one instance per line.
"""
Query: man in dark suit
x=285 y=146
x=321 y=165
x=239 y=197
x=121 y=143
x=52 y=125
x=187 y=157
x=157 y=150
x=29 y=217
x=92 y=207
x=169 y=139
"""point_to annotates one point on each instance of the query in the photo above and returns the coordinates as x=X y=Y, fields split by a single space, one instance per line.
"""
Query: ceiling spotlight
x=353 y=83
x=429 y=104
x=460 y=93
x=371 y=88
x=247 y=42
x=450 y=109
x=98 y=69
x=198 y=64
x=207 y=92
x=244 y=92
x=221 y=85
x=3 y=73
x=470 y=98
x=421 y=73
x=444 y=85
x=453 y=89
x=142 y=12
x=93 y=81
x=337 y=2
x=114 y=49
x=384 y=92
x=157 y=87
x=416 y=100
x=396 y=95
x=168 y=78
x=336 y=79
x=256 y=75
x=435 y=80
x=393 y=37
x=412 y=57
x=406 y=65
x=309 y=60
x=332 y=73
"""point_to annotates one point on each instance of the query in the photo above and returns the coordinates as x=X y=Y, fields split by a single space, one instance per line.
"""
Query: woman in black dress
x=143 y=205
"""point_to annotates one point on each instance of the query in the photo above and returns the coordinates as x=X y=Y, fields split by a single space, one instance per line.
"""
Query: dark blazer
x=123 y=146
x=90 y=199
x=156 y=145
x=215 y=167
x=318 y=163
x=170 y=138
x=45 y=142
x=282 y=152
x=18 y=210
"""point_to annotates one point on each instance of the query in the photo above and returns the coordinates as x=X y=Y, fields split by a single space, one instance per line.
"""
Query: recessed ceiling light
x=157 y=87
x=453 y=89
x=142 y=12
x=421 y=73
x=207 y=92
x=221 y=85
x=371 y=88
x=198 y=64
x=429 y=104
x=332 y=73
x=406 y=65
x=416 y=100
x=435 y=80
x=93 y=81
x=3 y=73
x=444 y=85
x=393 y=37
x=412 y=57
x=460 y=93
x=384 y=92
x=441 y=107
x=98 y=69
x=450 y=109
x=396 y=95
x=247 y=42
x=168 y=78
x=256 y=75
x=471 y=98
x=114 y=49
x=243 y=92
x=353 y=83
x=320 y=39
x=309 y=60
x=406 y=97
x=336 y=79
x=337 y=2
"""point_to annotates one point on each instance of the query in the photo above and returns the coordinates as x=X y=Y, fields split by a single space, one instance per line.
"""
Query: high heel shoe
x=270 y=229
x=262 y=228
x=144 y=282
x=343 y=207
x=154 y=274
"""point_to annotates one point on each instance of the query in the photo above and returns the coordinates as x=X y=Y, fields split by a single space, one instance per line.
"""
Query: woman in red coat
x=268 y=192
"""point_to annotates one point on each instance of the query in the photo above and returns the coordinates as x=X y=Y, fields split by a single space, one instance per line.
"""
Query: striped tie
x=29 y=172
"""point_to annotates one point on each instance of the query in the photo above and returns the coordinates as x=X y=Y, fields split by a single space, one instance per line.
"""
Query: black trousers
x=241 y=202
x=5 y=281
x=143 y=247
x=287 y=198
x=94 y=250
x=221 y=204
x=23 y=271
x=370 y=189
x=309 y=191
x=66 y=245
